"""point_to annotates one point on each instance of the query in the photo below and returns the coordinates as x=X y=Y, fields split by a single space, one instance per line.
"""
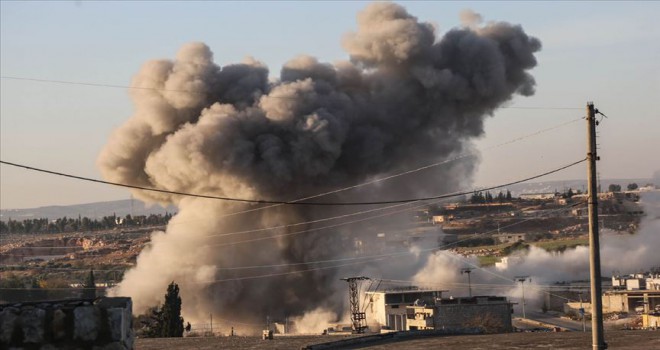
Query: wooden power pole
x=597 y=338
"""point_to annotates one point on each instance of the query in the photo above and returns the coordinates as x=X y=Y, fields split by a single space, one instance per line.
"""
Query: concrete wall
x=104 y=323
x=615 y=302
x=575 y=308
x=376 y=309
x=464 y=315
x=554 y=300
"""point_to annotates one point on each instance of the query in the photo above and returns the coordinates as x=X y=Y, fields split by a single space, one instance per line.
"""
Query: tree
x=89 y=287
x=150 y=322
x=171 y=322
x=615 y=188
x=478 y=197
x=500 y=197
x=633 y=186
x=508 y=195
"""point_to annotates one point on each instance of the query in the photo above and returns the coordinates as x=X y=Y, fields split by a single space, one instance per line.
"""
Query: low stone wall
x=104 y=323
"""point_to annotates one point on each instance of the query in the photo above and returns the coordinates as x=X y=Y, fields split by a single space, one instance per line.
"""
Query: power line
x=116 y=86
x=347 y=215
x=374 y=258
x=328 y=226
x=391 y=255
x=458 y=257
x=464 y=155
x=64 y=269
x=380 y=255
x=362 y=259
x=368 y=257
x=484 y=285
x=338 y=190
x=311 y=221
x=262 y=201
x=328 y=219
x=424 y=167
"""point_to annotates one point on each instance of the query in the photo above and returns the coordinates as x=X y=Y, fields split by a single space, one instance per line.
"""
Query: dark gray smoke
x=404 y=99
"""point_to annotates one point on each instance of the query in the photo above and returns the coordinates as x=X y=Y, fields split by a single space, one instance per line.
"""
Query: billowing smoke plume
x=620 y=253
x=405 y=98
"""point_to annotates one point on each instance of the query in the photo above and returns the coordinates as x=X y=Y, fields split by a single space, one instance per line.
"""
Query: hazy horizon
x=623 y=182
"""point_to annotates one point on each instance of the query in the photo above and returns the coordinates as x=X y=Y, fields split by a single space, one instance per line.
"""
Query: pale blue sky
x=608 y=52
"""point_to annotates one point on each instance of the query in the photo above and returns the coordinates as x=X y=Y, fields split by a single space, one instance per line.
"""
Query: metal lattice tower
x=358 y=318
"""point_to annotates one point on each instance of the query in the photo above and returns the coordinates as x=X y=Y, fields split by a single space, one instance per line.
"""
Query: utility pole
x=582 y=313
x=597 y=338
x=468 y=270
x=358 y=318
x=211 y=323
x=522 y=280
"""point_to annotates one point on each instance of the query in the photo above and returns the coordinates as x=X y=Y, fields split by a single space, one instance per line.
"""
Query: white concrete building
x=387 y=309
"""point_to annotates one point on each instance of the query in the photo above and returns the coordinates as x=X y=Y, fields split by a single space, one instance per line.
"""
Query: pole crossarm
x=468 y=270
x=522 y=280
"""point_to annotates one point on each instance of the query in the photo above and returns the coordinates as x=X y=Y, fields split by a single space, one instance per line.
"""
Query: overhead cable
x=263 y=201
x=131 y=87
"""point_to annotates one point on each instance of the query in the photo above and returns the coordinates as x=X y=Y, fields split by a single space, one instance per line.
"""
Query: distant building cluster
x=637 y=293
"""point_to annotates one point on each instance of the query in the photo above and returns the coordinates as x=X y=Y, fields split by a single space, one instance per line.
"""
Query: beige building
x=633 y=293
x=510 y=237
x=387 y=309
x=631 y=301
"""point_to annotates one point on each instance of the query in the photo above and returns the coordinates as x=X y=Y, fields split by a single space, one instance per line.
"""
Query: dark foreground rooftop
x=634 y=340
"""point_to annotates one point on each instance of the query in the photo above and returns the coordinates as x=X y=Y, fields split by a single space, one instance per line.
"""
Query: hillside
x=91 y=210
x=135 y=207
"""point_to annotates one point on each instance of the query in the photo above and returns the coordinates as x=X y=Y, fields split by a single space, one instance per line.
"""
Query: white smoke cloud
x=625 y=253
x=314 y=321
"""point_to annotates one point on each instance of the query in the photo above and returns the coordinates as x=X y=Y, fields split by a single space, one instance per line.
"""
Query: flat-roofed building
x=491 y=313
x=387 y=309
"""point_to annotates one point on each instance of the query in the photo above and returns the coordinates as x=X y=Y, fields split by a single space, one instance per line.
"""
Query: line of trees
x=617 y=188
x=487 y=197
x=62 y=225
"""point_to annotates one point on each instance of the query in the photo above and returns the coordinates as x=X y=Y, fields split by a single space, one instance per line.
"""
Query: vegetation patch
x=562 y=245
x=488 y=260
x=515 y=247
